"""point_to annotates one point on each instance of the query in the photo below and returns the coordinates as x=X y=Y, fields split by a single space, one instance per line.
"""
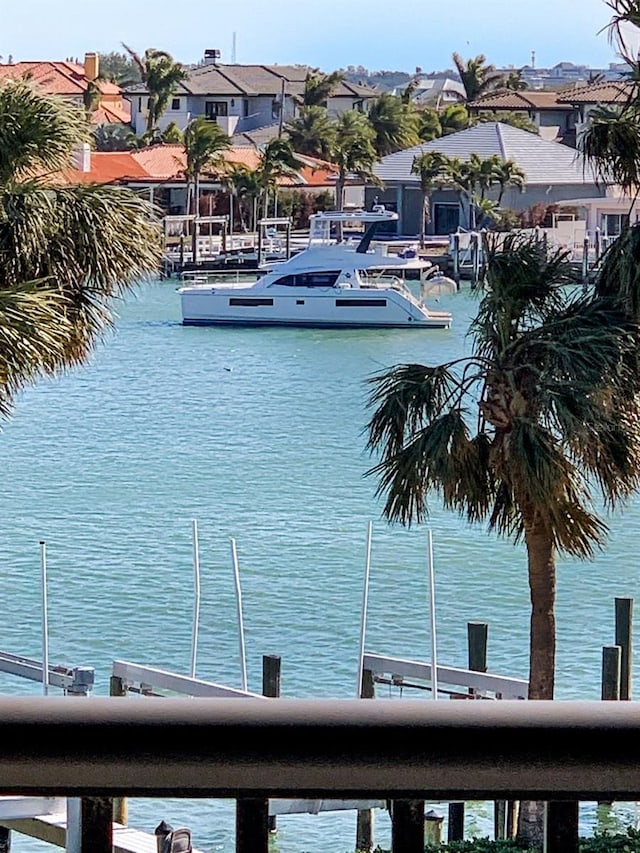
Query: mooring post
x=117 y=687
x=456 y=259
x=365 y=822
x=407 y=826
x=611 y=669
x=561 y=827
x=271 y=668
x=252 y=825
x=624 y=636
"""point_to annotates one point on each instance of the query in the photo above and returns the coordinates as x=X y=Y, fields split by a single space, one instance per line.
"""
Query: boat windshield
x=324 y=278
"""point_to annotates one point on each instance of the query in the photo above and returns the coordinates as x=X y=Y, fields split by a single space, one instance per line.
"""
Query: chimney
x=82 y=157
x=211 y=56
x=91 y=66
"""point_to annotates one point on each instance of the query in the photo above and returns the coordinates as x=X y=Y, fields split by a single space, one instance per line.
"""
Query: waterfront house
x=241 y=98
x=553 y=173
x=555 y=119
x=158 y=171
x=70 y=81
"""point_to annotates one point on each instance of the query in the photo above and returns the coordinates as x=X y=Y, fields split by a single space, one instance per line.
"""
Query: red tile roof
x=55 y=78
x=599 y=93
x=524 y=100
x=161 y=163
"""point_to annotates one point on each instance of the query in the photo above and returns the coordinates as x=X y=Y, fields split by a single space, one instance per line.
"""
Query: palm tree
x=277 y=160
x=115 y=137
x=311 y=132
x=514 y=81
x=429 y=166
x=394 y=123
x=520 y=433
x=66 y=252
x=245 y=186
x=319 y=87
x=204 y=144
x=161 y=75
x=454 y=117
x=477 y=77
x=353 y=151
x=508 y=174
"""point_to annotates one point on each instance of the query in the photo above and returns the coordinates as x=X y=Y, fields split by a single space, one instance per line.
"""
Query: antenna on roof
x=233 y=49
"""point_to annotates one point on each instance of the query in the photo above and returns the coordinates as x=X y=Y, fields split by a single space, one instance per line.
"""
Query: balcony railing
x=251 y=750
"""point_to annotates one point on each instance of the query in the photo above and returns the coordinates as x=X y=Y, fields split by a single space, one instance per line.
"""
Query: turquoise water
x=257 y=434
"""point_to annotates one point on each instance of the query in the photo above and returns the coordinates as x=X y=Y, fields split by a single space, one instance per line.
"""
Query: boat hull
x=320 y=308
x=317 y=324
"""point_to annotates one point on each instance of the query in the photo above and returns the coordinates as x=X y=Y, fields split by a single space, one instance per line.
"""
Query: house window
x=175 y=103
x=245 y=107
x=613 y=224
x=213 y=109
x=139 y=105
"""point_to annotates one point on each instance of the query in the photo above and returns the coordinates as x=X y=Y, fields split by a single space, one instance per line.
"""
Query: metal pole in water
x=365 y=601
x=45 y=619
x=432 y=608
x=196 y=601
x=236 y=574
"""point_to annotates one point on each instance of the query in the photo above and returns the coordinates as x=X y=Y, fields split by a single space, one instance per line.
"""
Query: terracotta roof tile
x=108 y=167
x=600 y=93
x=55 y=78
x=524 y=100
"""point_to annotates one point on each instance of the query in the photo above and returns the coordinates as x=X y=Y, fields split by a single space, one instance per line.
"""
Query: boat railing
x=407 y=752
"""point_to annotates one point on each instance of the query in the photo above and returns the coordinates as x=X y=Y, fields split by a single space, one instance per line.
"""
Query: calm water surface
x=257 y=434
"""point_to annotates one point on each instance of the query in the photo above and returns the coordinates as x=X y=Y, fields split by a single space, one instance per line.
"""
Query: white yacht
x=333 y=283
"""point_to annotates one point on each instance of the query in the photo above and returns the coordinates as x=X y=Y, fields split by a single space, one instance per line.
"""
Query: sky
x=394 y=35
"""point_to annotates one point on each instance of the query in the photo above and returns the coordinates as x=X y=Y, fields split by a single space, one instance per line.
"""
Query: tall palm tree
x=311 y=133
x=66 y=251
x=430 y=166
x=161 y=75
x=520 y=433
x=477 y=77
x=204 y=145
x=353 y=151
x=395 y=124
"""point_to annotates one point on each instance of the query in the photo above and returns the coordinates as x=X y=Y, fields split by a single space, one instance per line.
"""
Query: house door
x=446 y=218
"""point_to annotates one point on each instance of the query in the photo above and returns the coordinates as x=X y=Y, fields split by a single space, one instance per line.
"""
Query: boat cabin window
x=326 y=278
x=249 y=301
x=361 y=303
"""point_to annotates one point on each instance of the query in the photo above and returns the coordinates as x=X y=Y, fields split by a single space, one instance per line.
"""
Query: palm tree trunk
x=423 y=218
x=542 y=587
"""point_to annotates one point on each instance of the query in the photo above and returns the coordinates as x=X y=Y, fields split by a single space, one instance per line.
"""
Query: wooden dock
x=52 y=829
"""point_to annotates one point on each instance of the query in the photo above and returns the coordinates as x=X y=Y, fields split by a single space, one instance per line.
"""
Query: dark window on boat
x=250 y=302
x=361 y=303
x=326 y=278
x=299 y=301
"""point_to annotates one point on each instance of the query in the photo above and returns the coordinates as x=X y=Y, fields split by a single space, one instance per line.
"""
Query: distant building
x=437 y=92
x=564 y=73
